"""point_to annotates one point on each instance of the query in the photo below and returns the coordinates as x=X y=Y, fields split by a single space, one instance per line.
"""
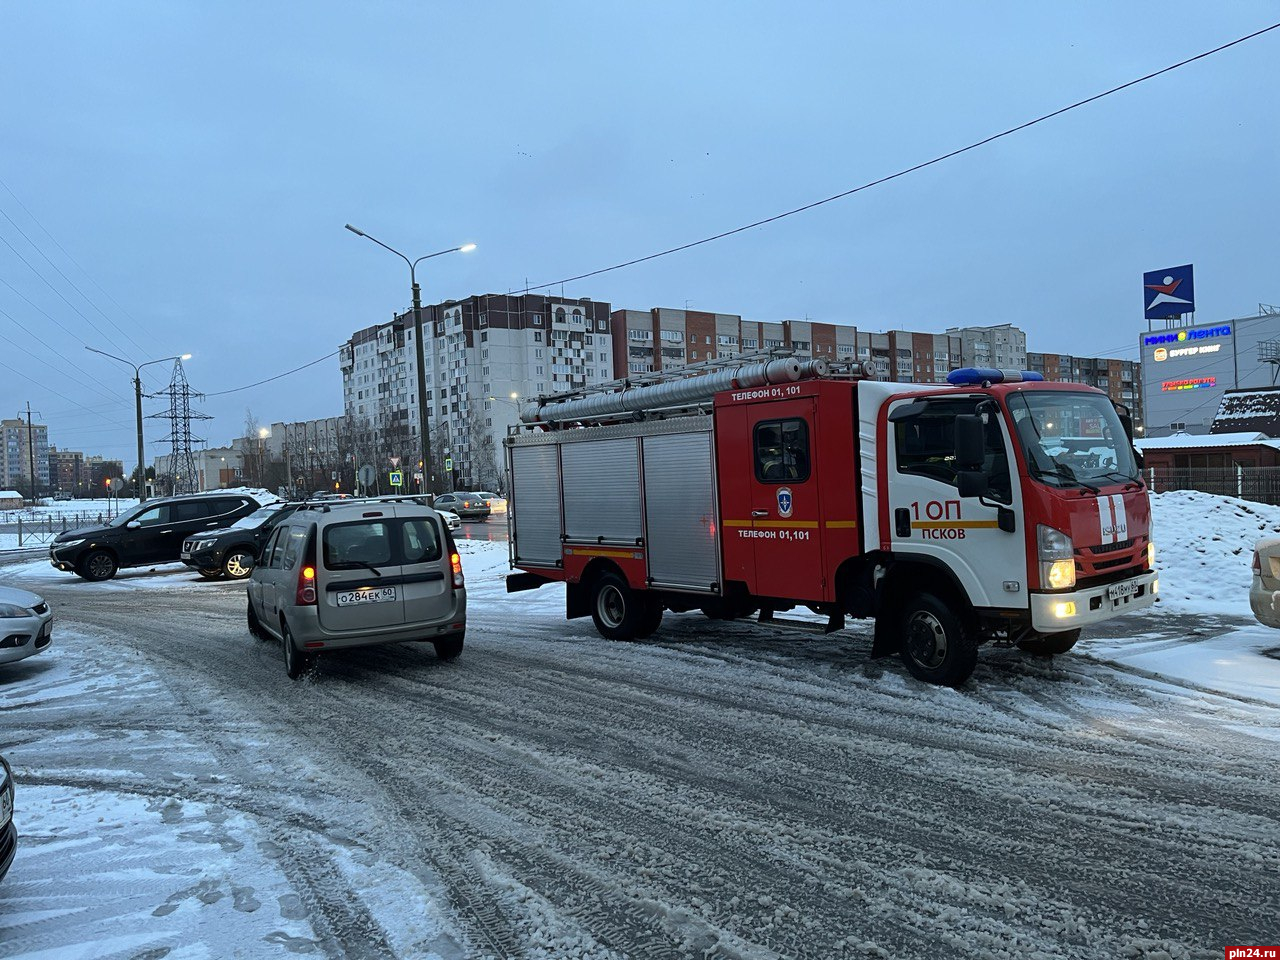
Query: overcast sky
x=196 y=163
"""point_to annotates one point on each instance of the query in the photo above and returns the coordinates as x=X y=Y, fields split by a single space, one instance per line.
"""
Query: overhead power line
x=249 y=386
x=912 y=169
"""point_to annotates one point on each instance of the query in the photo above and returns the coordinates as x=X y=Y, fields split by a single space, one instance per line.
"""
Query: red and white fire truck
x=993 y=508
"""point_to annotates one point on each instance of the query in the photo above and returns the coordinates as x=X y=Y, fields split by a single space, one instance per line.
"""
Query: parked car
x=357 y=573
x=452 y=519
x=1264 y=595
x=230 y=552
x=26 y=625
x=8 y=832
x=468 y=506
x=497 y=503
x=62 y=495
x=152 y=532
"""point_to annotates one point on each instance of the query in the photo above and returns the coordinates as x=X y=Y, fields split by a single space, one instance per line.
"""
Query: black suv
x=230 y=552
x=152 y=532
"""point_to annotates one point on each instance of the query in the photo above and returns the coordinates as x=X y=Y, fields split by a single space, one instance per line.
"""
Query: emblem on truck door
x=784 y=501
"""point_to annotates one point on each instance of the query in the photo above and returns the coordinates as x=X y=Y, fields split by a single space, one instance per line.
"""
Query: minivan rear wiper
x=366 y=564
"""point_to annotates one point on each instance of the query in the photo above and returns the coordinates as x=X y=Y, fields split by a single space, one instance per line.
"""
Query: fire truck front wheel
x=621 y=613
x=936 y=645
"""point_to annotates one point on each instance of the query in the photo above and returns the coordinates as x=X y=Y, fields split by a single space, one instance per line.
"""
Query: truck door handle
x=902 y=522
x=759 y=513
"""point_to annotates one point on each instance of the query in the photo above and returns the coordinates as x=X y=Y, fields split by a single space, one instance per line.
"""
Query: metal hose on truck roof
x=673 y=393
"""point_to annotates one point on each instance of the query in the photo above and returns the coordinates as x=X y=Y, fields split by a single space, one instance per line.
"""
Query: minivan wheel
x=936 y=646
x=296 y=663
x=449 y=648
x=255 y=627
x=238 y=563
x=98 y=565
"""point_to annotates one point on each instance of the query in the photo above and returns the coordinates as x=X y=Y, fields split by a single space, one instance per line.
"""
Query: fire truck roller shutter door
x=535 y=503
x=680 y=513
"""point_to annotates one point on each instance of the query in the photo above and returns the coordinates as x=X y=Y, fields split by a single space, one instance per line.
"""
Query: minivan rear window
x=380 y=543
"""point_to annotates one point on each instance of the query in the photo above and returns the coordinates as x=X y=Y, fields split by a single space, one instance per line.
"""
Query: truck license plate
x=1120 y=591
x=350 y=598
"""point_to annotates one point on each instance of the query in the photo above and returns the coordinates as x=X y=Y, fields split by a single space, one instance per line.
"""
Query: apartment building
x=647 y=341
x=1121 y=379
x=484 y=355
x=16 y=455
x=1001 y=345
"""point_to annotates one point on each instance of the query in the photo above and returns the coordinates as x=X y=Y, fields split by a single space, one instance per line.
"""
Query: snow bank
x=1204 y=550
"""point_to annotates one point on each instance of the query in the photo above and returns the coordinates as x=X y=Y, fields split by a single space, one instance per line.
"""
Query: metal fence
x=1260 y=484
x=31 y=530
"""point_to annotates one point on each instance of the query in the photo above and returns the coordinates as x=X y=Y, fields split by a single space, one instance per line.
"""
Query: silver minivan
x=353 y=573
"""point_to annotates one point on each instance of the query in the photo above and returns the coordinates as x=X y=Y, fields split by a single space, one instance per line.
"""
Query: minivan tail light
x=306 y=594
x=456 y=562
x=306 y=587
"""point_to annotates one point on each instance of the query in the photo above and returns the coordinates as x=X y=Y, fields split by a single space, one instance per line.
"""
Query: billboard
x=1168 y=293
x=1184 y=373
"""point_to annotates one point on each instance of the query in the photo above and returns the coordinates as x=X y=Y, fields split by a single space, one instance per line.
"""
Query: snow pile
x=1204 y=550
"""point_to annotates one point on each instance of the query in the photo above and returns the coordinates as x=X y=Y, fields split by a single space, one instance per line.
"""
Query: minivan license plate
x=348 y=598
x=1118 y=591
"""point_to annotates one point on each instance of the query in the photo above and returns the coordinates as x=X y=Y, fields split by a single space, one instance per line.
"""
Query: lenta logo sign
x=1182 y=336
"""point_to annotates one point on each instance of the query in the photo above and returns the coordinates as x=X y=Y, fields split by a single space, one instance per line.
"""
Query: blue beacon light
x=970 y=376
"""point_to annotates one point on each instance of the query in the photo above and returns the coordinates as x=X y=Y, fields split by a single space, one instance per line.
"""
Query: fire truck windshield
x=1072 y=439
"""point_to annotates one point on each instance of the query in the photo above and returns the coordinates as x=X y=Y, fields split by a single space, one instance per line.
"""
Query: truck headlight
x=1057 y=558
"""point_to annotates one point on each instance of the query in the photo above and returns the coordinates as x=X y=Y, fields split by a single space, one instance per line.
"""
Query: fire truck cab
x=996 y=508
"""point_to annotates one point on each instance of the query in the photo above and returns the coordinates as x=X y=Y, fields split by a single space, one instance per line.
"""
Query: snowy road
x=718 y=792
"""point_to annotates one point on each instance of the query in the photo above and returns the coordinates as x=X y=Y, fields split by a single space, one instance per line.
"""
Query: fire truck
x=996 y=508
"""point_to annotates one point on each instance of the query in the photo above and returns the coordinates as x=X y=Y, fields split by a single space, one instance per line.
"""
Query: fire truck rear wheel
x=1052 y=645
x=936 y=646
x=619 y=612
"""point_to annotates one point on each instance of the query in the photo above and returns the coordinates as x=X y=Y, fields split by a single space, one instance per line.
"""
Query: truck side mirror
x=972 y=483
x=970 y=442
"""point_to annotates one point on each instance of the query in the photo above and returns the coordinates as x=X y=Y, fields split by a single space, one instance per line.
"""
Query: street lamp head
x=356 y=231
x=264 y=433
x=514 y=395
x=185 y=356
x=466 y=248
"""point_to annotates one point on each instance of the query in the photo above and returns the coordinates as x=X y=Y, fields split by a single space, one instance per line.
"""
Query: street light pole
x=137 y=404
x=424 y=428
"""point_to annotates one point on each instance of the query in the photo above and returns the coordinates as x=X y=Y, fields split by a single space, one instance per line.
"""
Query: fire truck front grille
x=1111 y=547
x=1105 y=562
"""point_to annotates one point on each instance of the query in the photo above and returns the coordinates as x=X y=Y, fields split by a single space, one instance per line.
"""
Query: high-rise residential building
x=1121 y=379
x=68 y=472
x=1001 y=345
x=16 y=455
x=484 y=355
x=647 y=341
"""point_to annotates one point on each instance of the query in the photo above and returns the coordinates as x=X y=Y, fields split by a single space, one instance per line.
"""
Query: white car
x=1264 y=594
x=452 y=520
x=497 y=504
x=26 y=625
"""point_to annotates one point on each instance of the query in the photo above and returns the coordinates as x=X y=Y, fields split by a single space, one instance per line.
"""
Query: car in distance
x=468 y=506
x=451 y=519
x=497 y=503
x=230 y=552
x=356 y=573
x=152 y=532
x=8 y=832
x=1264 y=594
x=26 y=625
